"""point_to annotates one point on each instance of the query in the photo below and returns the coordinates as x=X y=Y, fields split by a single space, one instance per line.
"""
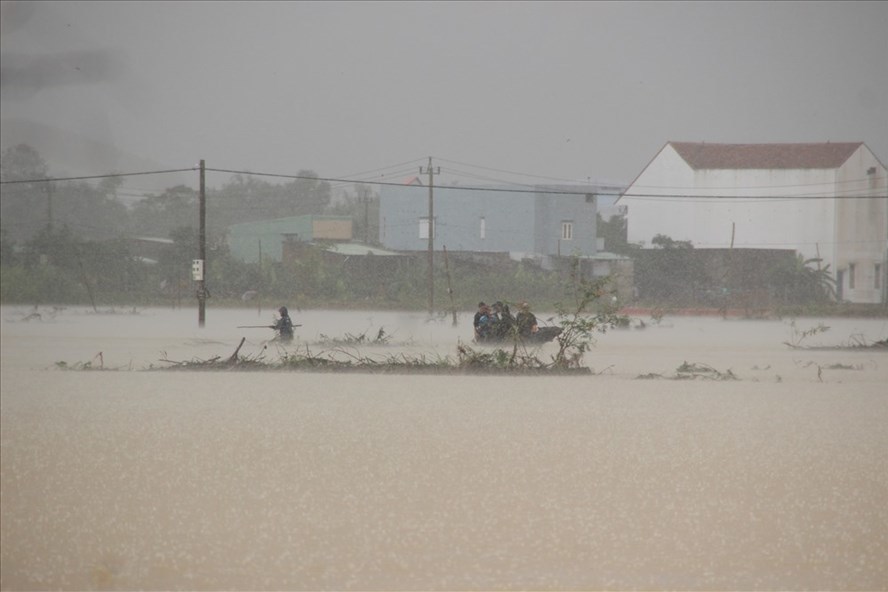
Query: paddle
x=259 y=326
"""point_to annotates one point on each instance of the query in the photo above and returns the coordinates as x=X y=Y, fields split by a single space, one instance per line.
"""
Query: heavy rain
x=605 y=308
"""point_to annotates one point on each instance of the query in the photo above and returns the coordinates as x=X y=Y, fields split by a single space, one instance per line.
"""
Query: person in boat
x=478 y=314
x=526 y=321
x=483 y=322
x=284 y=325
x=504 y=322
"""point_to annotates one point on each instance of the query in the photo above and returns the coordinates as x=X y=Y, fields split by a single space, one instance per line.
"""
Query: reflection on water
x=201 y=480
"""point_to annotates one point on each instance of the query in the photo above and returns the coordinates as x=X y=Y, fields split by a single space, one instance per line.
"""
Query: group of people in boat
x=496 y=322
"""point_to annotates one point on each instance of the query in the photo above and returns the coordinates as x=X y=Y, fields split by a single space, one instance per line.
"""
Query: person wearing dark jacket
x=284 y=325
x=526 y=320
x=483 y=322
x=504 y=320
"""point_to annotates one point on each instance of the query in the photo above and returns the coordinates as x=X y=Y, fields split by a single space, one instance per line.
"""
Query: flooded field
x=623 y=479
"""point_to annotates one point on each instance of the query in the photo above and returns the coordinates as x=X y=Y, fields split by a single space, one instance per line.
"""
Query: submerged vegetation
x=578 y=320
x=798 y=337
x=693 y=371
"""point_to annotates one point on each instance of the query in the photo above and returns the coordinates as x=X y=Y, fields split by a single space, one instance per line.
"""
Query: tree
x=160 y=215
x=800 y=282
x=308 y=194
x=363 y=207
x=614 y=232
x=248 y=199
x=25 y=207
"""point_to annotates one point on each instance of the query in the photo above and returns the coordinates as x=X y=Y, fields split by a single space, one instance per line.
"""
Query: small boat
x=542 y=335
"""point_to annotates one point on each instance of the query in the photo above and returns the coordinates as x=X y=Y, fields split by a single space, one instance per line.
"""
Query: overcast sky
x=551 y=90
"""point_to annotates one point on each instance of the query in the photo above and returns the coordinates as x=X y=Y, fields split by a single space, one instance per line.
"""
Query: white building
x=827 y=201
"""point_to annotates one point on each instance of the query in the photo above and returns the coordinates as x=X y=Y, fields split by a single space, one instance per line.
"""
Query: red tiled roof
x=765 y=156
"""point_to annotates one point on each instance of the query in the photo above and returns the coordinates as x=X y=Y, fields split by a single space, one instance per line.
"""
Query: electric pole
x=49 y=206
x=200 y=275
x=431 y=227
x=364 y=193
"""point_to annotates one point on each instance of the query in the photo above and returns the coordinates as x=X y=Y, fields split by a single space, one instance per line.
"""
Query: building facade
x=247 y=240
x=537 y=223
x=826 y=201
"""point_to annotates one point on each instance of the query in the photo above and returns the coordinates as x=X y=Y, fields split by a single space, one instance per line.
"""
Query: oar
x=259 y=326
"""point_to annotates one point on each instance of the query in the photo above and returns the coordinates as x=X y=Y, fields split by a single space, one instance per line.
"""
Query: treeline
x=58 y=267
x=95 y=210
x=67 y=242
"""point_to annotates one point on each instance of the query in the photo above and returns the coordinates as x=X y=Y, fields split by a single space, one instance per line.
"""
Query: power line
x=402 y=164
x=701 y=197
x=547 y=190
x=532 y=190
x=106 y=176
x=513 y=172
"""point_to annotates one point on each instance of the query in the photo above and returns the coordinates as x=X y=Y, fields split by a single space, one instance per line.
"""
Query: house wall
x=647 y=215
x=330 y=229
x=244 y=238
x=458 y=213
x=862 y=227
x=523 y=224
x=708 y=223
x=838 y=231
x=552 y=211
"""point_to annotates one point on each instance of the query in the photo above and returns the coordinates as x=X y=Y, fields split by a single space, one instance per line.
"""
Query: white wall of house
x=667 y=198
x=862 y=228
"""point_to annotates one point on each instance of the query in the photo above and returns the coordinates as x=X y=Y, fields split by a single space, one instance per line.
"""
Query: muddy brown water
x=136 y=479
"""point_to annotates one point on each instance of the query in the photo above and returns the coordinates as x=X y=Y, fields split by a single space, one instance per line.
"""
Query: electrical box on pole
x=197 y=270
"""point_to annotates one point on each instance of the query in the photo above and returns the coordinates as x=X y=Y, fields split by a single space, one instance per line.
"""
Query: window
x=877 y=280
x=424 y=228
x=851 y=267
x=483 y=228
x=567 y=229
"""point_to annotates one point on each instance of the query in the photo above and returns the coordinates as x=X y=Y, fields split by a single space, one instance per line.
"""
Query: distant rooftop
x=360 y=249
x=827 y=155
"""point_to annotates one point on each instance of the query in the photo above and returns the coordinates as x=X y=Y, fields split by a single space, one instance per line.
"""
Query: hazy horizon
x=525 y=92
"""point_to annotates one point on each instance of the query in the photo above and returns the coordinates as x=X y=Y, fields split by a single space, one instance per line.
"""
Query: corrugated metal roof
x=765 y=156
x=359 y=249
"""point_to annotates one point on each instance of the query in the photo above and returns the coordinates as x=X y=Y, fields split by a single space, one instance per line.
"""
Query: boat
x=542 y=335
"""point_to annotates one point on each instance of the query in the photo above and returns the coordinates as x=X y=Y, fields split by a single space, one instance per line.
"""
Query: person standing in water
x=284 y=325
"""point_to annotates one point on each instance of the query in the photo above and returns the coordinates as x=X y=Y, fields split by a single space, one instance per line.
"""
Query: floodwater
x=136 y=479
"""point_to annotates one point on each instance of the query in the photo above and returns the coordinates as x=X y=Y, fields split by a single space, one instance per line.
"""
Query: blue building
x=536 y=223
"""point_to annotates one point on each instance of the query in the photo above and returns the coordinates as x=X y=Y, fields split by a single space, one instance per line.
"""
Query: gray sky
x=551 y=90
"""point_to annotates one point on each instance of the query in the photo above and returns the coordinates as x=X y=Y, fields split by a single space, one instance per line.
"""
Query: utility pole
x=201 y=276
x=431 y=227
x=49 y=205
x=366 y=199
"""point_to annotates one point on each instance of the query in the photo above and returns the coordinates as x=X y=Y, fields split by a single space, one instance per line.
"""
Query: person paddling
x=284 y=325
